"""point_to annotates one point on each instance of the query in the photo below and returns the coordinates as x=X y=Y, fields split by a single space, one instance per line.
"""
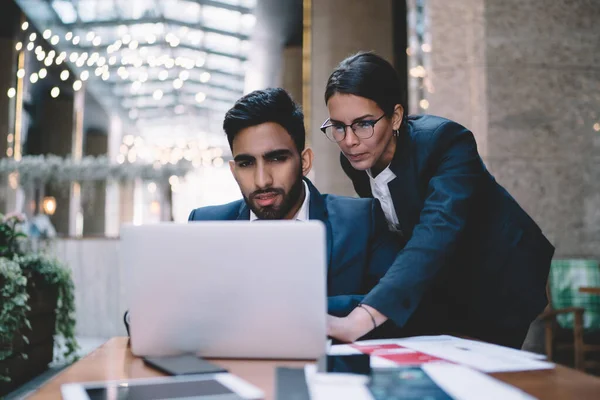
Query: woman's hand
x=354 y=326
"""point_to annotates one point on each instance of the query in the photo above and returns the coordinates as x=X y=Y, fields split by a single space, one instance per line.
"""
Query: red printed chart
x=400 y=355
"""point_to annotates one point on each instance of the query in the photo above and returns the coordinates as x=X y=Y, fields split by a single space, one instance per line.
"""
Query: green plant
x=53 y=272
x=17 y=268
x=11 y=239
x=13 y=309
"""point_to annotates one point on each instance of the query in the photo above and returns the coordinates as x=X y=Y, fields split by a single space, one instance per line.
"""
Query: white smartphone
x=222 y=386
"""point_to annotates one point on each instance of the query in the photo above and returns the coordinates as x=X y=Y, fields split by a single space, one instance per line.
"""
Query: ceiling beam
x=237 y=77
x=237 y=93
x=182 y=91
x=91 y=48
x=153 y=20
x=218 y=4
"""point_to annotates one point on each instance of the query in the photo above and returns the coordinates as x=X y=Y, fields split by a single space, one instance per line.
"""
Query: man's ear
x=307 y=160
x=397 y=117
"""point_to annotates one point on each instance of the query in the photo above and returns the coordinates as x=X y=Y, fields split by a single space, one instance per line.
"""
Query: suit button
x=406 y=303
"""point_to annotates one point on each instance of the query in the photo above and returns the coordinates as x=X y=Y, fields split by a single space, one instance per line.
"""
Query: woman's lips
x=356 y=157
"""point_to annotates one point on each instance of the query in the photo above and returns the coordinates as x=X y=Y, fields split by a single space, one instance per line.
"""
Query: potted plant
x=37 y=308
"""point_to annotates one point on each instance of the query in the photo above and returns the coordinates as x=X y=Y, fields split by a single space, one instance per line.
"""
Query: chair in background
x=573 y=318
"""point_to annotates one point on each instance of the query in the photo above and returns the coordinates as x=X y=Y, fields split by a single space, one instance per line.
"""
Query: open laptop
x=229 y=289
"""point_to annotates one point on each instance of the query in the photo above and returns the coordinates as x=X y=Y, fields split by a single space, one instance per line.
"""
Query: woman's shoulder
x=422 y=126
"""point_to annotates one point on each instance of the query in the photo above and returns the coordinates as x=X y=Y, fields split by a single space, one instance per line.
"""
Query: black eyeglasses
x=336 y=132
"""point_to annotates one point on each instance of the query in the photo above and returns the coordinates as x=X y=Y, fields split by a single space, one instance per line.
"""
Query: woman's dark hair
x=268 y=105
x=368 y=75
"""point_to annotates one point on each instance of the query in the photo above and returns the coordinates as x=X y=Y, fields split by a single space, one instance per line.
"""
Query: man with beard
x=265 y=130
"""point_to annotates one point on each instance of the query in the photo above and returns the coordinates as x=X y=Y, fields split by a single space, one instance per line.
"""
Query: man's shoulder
x=348 y=207
x=227 y=211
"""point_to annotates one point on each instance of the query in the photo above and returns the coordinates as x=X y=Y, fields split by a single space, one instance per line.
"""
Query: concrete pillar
x=334 y=30
x=523 y=76
x=11 y=195
x=113 y=203
x=76 y=218
x=94 y=193
x=291 y=72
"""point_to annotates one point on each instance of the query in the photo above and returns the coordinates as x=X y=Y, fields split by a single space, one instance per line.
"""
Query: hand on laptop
x=358 y=323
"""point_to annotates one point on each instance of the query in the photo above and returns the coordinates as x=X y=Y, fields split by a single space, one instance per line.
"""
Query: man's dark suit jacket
x=360 y=248
x=468 y=242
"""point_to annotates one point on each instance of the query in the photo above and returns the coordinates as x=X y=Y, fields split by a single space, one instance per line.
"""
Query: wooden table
x=114 y=360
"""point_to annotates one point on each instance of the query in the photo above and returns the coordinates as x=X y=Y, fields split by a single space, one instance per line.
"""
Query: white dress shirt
x=302 y=214
x=381 y=191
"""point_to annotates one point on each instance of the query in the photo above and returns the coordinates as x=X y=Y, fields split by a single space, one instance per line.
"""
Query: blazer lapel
x=318 y=211
x=244 y=212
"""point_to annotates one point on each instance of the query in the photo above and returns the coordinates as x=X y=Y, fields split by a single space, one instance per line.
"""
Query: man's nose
x=263 y=177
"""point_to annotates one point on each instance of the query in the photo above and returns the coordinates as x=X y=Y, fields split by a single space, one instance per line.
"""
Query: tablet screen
x=171 y=390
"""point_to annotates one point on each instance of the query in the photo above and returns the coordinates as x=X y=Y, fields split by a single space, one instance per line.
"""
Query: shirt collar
x=383 y=177
x=302 y=214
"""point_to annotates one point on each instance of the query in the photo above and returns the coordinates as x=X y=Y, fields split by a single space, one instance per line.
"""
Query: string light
x=47 y=33
x=162 y=75
x=76 y=40
x=21 y=73
x=25 y=26
x=200 y=97
x=19 y=46
x=177 y=83
x=69 y=36
x=55 y=92
x=33 y=78
x=97 y=40
x=204 y=77
x=30 y=46
x=157 y=95
x=77 y=85
x=11 y=93
x=43 y=73
x=55 y=39
x=64 y=75
x=32 y=37
x=84 y=75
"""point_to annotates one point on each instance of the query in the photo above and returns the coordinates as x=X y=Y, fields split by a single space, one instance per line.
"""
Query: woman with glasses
x=473 y=262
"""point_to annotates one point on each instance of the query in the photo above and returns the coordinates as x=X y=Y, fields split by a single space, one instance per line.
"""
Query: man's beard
x=277 y=212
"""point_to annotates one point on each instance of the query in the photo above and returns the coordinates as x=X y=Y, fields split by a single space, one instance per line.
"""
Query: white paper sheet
x=482 y=356
x=322 y=386
x=464 y=383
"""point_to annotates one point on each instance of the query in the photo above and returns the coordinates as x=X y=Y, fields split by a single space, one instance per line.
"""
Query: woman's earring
x=396 y=132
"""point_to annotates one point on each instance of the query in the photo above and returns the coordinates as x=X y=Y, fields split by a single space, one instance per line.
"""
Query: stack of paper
x=421 y=350
x=455 y=365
